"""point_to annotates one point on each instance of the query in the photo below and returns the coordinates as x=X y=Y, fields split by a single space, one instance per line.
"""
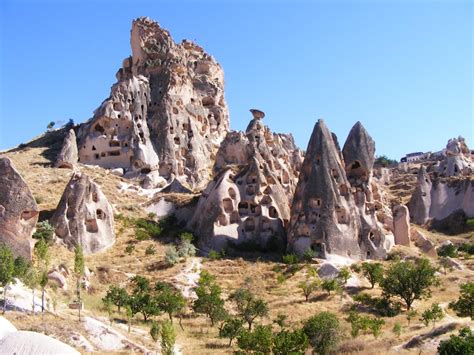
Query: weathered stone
x=401 y=225
x=68 y=155
x=84 y=216
x=425 y=245
x=420 y=201
x=328 y=271
x=454 y=263
x=166 y=113
x=18 y=211
x=59 y=279
x=249 y=199
x=457 y=159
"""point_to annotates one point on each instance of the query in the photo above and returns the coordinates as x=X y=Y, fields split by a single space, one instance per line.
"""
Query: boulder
x=32 y=343
x=328 y=271
x=68 y=156
x=401 y=225
x=423 y=243
x=84 y=216
x=454 y=263
x=59 y=279
x=18 y=211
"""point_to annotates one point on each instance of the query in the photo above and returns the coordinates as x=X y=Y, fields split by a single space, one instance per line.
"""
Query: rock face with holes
x=167 y=112
x=374 y=214
x=68 y=155
x=18 y=211
x=249 y=199
x=334 y=209
x=84 y=216
x=457 y=159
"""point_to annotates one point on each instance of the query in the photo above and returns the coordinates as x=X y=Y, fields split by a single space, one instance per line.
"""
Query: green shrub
x=45 y=231
x=308 y=255
x=432 y=314
x=467 y=248
x=146 y=229
x=150 y=250
x=464 y=306
x=447 y=250
x=290 y=259
x=186 y=248
x=171 y=255
x=129 y=249
x=461 y=344
x=323 y=331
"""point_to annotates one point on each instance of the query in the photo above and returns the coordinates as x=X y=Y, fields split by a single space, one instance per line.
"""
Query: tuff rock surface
x=18 y=211
x=84 y=216
x=249 y=199
x=166 y=113
x=457 y=159
x=68 y=155
x=401 y=225
x=333 y=211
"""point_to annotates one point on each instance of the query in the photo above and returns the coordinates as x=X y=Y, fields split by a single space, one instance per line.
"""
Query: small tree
x=209 y=300
x=155 y=331
x=169 y=300
x=344 y=274
x=129 y=313
x=323 y=331
x=7 y=271
x=258 y=341
x=329 y=285
x=409 y=280
x=308 y=287
x=168 y=338
x=44 y=231
x=411 y=314
x=171 y=255
x=464 y=306
x=118 y=296
x=249 y=307
x=372 y=272
x=79 y=271
x=461 y=344
x=290 y=342
x=42 y=261
x=375 y=325
x=432 y=314
x=397 y=329
x=231 y=329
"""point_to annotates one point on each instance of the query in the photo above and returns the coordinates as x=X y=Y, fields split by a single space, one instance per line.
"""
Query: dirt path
x=187 y=279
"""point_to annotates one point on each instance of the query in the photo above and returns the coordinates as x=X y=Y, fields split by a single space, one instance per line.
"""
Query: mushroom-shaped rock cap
x=359 y=147
x=257 y=113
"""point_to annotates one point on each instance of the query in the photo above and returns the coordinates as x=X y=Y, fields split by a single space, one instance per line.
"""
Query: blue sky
x=403 y=68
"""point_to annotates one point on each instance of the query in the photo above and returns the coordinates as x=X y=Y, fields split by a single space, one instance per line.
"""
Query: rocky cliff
x=166 y=113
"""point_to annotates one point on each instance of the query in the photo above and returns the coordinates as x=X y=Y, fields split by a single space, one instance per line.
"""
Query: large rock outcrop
x=18 y=211
x=249 y=199
x=457 y=159
x=68 y=155
x=84 y=216
x=167 y=111
x=420 y=201
x=333 y=211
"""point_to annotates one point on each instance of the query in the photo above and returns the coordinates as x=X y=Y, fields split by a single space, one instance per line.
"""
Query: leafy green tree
x=42 y=255
x=447 y=250
x=258 y=341
x=383 y=161
x=31 y=280
x=7 y=271
x=169 y=300
x=44 y=231
x=79 y=271
x=344 y=274
x=140 y=285
x=409 y=280
x=464 y=306
x=308 y=287
x=171 y=255
x=375 y=325
x=118 y=296
x=231 y=329
x=329 y=285
x=372 y=272
x=168 y=338
x=21 y=267
x=209 y=298
x=323 y=331
x=365 y=323
x=290 y=342
x=432 y=314
x=249 y=307
x=461 y=344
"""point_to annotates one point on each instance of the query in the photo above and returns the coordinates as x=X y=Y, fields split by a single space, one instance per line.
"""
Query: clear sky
x=403 y=68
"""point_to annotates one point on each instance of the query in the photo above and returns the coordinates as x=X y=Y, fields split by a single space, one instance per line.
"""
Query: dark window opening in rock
x=114 y=153
x=355 y=165
x=318 y=160
x=266 y=200
x=175 y=110
x=176 y=140
x=232 y=193
x=116 y=125
x=99 y=128
x=315 y=203
x=456 y=169
x=139 y=125
x=192 y=100
x=368 y=254
x=423 y=194
x=272 y=212
x=250 y=190
x=318 y=249
x=268 y=190
x=125 y=144
x=145 y=170
x=142 y=135
x=228 y=205
x=103 y=154
x=341 y=216
x=95 y=197
x=114 y=143
x=234 y=217
x=94 y=148
x=239 y=182
x=100 y=214
x=426 y=180
x=91 y=226
x=335 y=174
x=372 y=236
x=343 y=190
x=222 y=220
x=143 y=107
x=97 y=156
x=207 y=101
x=26 y=215
x=249 y=225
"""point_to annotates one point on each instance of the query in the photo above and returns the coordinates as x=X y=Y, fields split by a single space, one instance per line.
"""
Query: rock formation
x=420 y=201
x=167 y=111
x=333 y=211
x=68 y=155
x=18 y=211
x=84 y=216
x=401 y=225
x=249 y=199
x=457 y=159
